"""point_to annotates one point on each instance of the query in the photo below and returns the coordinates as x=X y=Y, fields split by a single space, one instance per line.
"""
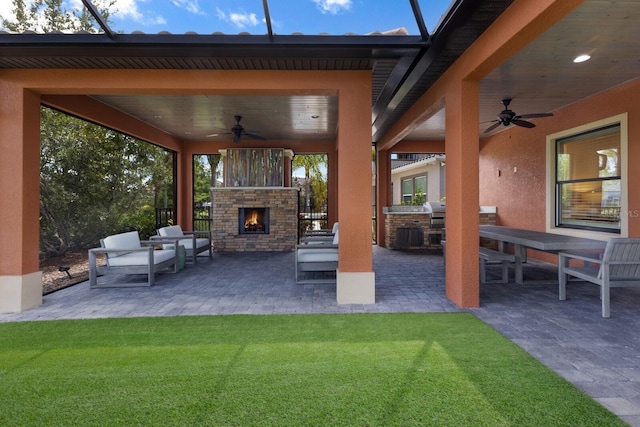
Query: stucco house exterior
x=417 y=174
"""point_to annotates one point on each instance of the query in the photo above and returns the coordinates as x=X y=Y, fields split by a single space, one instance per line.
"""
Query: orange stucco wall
x=521 y=196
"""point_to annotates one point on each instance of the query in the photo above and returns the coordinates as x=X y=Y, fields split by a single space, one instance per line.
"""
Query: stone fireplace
x=249 y=219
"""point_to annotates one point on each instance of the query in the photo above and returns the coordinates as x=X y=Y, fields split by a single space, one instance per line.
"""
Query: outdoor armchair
x=321 y=257
x=618 y=266
x=323 y=231
x=125 y=253
x=189 y=239
x=324 y=235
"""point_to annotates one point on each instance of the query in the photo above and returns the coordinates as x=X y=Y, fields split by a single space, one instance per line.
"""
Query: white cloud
x=333 y=6
x=239 y=19
x=242 y=20
x=220 y=14
x=189 y=5
x=128 y=9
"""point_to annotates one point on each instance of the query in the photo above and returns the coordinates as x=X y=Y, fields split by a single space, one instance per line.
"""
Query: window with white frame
x=414 y=190
x=588 y=177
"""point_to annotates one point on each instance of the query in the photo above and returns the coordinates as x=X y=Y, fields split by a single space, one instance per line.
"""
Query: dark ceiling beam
x=394 y=81
x=457 y=16
x=96 y=15
x=267 y=18
x=35 y=46
x=385 y=45
x=419 y=19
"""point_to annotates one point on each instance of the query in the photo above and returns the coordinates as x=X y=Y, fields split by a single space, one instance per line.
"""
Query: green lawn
x=358 y=369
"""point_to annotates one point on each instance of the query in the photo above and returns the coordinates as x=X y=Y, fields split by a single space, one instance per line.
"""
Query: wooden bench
x=490 y=256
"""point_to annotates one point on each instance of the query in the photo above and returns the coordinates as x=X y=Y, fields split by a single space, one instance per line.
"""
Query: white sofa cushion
x=171 y=231
x=176 y=231
x=188 y=243
x=129 y=240
x=318 y=255
x=141 y=258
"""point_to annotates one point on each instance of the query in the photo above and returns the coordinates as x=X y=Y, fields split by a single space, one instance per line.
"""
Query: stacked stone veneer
x=283 y=218
x=488 y=219
x=395 y=220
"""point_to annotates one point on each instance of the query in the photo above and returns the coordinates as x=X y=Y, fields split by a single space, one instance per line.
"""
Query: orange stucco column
x=184 y=210
x=332 y=186
x=462 y=150
x=355 y=277
x=20 y=278
x=383 y=193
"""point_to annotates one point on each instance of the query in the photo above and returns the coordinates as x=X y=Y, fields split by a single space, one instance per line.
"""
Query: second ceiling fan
x=507 y=117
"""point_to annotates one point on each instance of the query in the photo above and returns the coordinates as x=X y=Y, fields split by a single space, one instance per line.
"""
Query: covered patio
x=401 y=93
x=599 y=357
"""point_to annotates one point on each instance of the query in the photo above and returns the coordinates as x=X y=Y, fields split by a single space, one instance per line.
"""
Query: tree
x=315 y=183
x=202 y=178
x=94 y=181
x=214 y=162
x=50 y=15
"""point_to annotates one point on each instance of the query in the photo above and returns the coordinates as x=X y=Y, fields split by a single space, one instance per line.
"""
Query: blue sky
x=288 y=16
x=309 y=17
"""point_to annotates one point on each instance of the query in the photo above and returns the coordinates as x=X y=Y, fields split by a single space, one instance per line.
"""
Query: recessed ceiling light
x=581 y=58
x=157 y=116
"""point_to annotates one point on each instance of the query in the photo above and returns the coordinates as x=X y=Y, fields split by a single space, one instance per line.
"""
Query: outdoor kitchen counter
x=420 y=218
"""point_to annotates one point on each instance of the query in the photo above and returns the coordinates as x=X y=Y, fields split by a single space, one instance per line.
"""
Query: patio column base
x=20 y=293
x=356 y=288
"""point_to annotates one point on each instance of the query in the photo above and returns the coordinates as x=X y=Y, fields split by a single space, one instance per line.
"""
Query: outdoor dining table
x=539 y=240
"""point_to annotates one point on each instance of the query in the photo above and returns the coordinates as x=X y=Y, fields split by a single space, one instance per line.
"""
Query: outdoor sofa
x=125 y=253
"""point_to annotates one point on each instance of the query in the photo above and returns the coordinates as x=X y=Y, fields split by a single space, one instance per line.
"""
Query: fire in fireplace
x=253 y=220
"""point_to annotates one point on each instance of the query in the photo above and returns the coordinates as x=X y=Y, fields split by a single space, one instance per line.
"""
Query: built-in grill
x=436 y=222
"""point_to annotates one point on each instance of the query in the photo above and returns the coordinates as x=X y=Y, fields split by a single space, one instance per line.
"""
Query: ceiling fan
x=507 y=117
x=238 y=132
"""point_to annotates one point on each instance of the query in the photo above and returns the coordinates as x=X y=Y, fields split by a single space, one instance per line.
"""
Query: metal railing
x=311 y=217
x=164 y=217
x=202 y=220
